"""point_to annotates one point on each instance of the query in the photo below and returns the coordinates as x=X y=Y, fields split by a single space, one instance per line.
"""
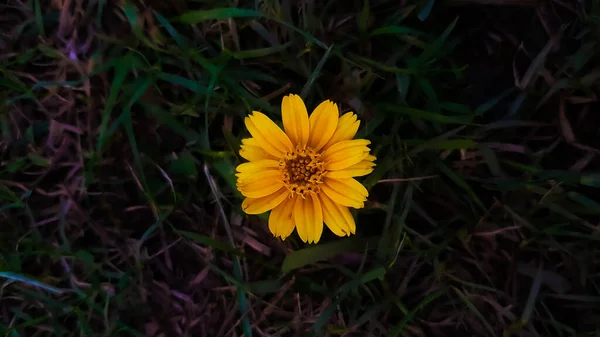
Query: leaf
x=383 y=247
x=537 y=63
x=325 y=251
x=461 y=183
x=491 y=160
x=122 y=68
x=382 y=66
x=363 y=18
x=397 y=330
x=226 y=170
x=384 y=165
x=265 y=286
x=184 y=166
x=377 y=273
x=176 y=36
x=584 y=201
x=50 y=52
x=237 y=267
x=427 y=89
x=592 y=180
x=450 y=144
x=259 y=52
x=30 y=281
x=38 y=17
x=474 y=309
x=194 y=17
x=396 y=30
x=489 y=104
x=533 y=294
x=208 y=241
x=307 y=87
x=433 y=48
x=553 y=280
x=8 y=195
x=456 y=108
x=169 y=121
x=424 y=13
x=424 y=115
x=194 y=86
x=403 y=84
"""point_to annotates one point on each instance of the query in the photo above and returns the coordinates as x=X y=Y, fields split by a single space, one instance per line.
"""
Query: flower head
x=305 y=175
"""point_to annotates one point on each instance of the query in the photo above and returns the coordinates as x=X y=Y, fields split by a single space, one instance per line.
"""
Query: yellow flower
x=305 y=175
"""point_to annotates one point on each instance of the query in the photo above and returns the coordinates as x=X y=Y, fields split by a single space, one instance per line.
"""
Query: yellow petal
x=295 y=119
x=257 y=165
x=260 y=187
x=268 y=135
x=370 y=158
x=309 y=218
x=347 y=127
x=346 y=192
x=357 y=170
x=261 y=205
x=281 y=220
x=249 y=141
x=337 y=217
x=244 y=178
x=250 y=150
x=323 y=122
x=257 y=168
x=345 y=154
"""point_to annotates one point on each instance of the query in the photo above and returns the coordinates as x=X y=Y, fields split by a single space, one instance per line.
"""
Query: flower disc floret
x=302 y=171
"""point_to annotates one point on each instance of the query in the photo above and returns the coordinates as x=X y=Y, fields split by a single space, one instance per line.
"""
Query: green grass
x=120 y=125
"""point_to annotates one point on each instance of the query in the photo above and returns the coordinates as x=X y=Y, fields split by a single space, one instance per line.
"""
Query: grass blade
x=315 y=74
x=325 y=251
x=30 y=281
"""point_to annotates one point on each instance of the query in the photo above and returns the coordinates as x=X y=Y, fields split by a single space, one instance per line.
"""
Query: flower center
x=302 y=171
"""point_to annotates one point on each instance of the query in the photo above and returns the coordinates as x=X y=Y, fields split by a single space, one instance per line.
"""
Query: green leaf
x=450 y=144
x=50 y=52
x=424 y=115
x=489 y=104
x=194 y=17
x=167 y=120
x=584 y=201
x=363 y=17
x=383 y=247
x=461 y=183
x=313 y=77
x=382 y=66
x=259 y=52
x=384 y=165
x=474 y=309
x=208 y=241
x=121 y=70
x=396 y=30
x=325 y=251
x=265 y=286
x=38 y=160
x=194 y=86
x=232 y=142
x=592 y=180
x=184 y=166
x=178 y=38
x=39 y=22
x=409 y=316
x=432 y=49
